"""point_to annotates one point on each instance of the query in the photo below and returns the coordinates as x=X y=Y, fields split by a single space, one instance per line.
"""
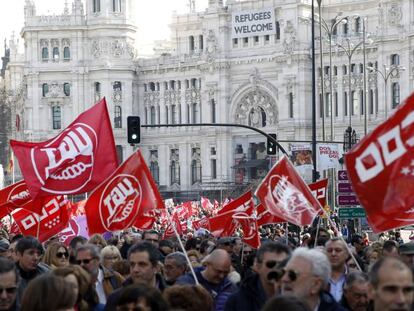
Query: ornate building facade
x=212 y=74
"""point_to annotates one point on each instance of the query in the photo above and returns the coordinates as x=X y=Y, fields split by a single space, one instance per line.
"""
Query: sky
x=152 y=17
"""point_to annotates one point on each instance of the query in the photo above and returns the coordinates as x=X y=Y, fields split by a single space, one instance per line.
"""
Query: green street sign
x=352 y=212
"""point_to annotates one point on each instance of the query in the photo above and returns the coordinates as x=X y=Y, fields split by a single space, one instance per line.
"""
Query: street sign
x=346 y=200
x=345 y=187
x=342 y=175
x=351 y=212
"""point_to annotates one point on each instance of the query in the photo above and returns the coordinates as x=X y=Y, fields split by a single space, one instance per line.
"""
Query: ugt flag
x=75 y=161
x=381 y=170
x=127 y=195
x=284 y=194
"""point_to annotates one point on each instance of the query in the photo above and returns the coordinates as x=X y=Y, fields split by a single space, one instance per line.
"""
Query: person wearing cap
x=406 y=252
x=259 y=286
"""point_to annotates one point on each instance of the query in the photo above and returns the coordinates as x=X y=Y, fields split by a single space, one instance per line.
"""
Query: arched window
x=195 y=113
x=277 y=31
x=66 y=53
x=56 y=118
x=154 y=168
x=371 y=101
x=116 y=6
x=200 y=42
x=195 y=171
x=174 y=167
x=66 y=89
x=152 y=117
x=120 y=153
x=191 y=43
x=118 y=117
x=96 y=6
x=55 y=53
x=173 y=114
x=97 y=87
x=395 y=94
x=117 y=86
x=395 y=59
x=213 y=110
x=45 y=89
x=291 y=105
x=358 y=24
x=45 y=53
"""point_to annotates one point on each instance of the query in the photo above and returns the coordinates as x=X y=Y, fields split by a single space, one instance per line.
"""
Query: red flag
x=265 y=218
x=12 y=197
x=76 y=161
x=128 y=194
x=76 y=227
x=319 y=190
x=201 y=223
x=175 y=221
x=248 y=223
x=223 y=224
x=206 y=205
x=381 y=170
x=284 y=193
x=54 y=218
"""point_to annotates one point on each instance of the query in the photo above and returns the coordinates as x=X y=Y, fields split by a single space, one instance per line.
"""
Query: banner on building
x=253 y=23
x=301 y=157
x=328 y=156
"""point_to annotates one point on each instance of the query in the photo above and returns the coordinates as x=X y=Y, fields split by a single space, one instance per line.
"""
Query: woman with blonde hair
x=56 y=255
x=98 y=240
x=109 y=255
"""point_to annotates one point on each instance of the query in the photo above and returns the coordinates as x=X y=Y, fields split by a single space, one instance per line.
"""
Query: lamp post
x=322 y=99
x=329 y=30
x=386 y=74
x=314 y=173
x=349 y=51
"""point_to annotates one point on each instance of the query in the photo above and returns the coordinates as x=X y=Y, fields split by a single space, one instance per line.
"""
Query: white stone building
x=211 y=75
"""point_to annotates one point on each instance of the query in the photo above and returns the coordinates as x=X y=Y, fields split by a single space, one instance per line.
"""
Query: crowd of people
x=142 y=271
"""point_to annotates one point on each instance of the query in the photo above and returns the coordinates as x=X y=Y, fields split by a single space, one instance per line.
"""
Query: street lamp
x=349 y=51
x=350 y=139
x=329 y=30
x=386 y=74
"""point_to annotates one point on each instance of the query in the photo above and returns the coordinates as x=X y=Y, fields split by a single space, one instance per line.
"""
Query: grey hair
x=179 y=258
x=320 y=265
x=355 y=277
x=92 y=248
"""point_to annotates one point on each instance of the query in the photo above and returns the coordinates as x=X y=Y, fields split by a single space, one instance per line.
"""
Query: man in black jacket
x=143 y=258
x=257 y=288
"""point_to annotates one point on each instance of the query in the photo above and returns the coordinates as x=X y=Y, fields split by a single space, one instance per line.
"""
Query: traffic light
x=133 y=129
x=271 y=146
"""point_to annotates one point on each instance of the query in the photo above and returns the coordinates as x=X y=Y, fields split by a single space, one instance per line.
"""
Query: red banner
x=128 y=194
x=12 y=197
x=265 y=218
x=284 y=194
x=223 y=224
x=76 y=161
x=53 y=219
x=319 y=190
x=381 y=170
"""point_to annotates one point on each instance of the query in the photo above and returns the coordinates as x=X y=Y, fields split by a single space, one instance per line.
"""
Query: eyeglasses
x=292 y=275
x=271 y=264
x=62 y=254
x=84 y=261
x=9 y=290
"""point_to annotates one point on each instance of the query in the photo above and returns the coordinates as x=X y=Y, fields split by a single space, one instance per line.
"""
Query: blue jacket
x=220 y=292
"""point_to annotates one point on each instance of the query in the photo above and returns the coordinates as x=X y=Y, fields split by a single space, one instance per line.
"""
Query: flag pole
x=13 y=176
x=182 y=246
x=342 y=238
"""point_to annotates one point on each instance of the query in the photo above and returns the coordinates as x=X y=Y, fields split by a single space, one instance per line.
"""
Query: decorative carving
x=394 y=14
x=152 y=98
x=96 y=49
x=117 y=96
x=54 y=42
x=290 y=38
x=65 y=42
x=117 y=48
x=44 y=43
x=192 y=96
